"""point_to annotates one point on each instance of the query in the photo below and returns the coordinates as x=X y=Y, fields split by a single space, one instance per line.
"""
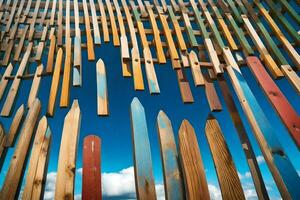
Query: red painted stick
x=91 y=172
x=284 y=109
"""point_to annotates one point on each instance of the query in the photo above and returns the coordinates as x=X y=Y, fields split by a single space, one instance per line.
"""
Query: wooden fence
x=212 y=38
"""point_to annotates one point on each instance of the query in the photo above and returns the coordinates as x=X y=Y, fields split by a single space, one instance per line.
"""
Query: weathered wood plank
x=150 y=72
x=97 y=38
x=35 y=85
x=211 y=94
x=172 y=177
x=103 y=22
x=89 y=38
x=184 y=86
x=65 y=89
x=51 y=53
x=40 y=148
x=3 y=82
x=144 y=181
x=91 y=170
x=284 y=109
x=55 y=83
x=191 y=162
x=13 y=176
x=64 y=188
x=137 y=70
x=10 y=99
x=229 y=181
x=196 y=69
x=102 y=95
x=116 y=40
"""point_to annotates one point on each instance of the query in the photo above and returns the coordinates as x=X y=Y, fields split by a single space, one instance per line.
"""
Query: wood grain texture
x=211 y=94
x=64 y=188
x=113 y=25
x=89 y=38
x=3 y=82
x=35 y=85
x=97 y=38
x=229 y=181
x=13 y=178
x=150 y=72
x=54 y=83
x=196 y=69
x=91 y=170
x=184 y=86
x=103 y=21
x=102 y=95
x=172 y=177
x=280 y=103
x=144 y=181
x=137 y=70
x=65 y=89
x=36 y=177
x=191 y=163
x=51 y=53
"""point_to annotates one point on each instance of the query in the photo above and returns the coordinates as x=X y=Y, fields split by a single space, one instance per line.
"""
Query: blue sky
x=115 y=130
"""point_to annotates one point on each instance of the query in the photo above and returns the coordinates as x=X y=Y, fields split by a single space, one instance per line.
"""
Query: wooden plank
x=90 y=44
x=3 y=82
x=97 y=38
x=156 y=33
x=172 y=177
x=116 y=40
x=188 y=28
x=150 y=72
x=33 y=20
x=191 y=162
x=45 y=12
x=14 y=127
x=64 y=187
x=142 y=8
x=211 y=94
x=2 y=148
x=196 y=69
x=292 y=76
x=39 y=51
x=13 y=178
x=272 y=66
x=103 y=22
x=53 y=11
x=102 y=96
x=7 y=54
x=77 y=61
x=246 y=145
x=229 y=181
x=51 y=53
x=284 y=109
x=10 y=99
x=20 y=45
x=91 y=170
x=137 y=70
x=40 y=149
x=278 y=162
x=65 y=89
x=184 y=87
x=144 y=181
x=54 y=83
x=35 y=85
x=184 y=58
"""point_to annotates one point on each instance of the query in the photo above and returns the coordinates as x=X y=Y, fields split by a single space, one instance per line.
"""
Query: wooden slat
x=116 y=40
x=53 y=11
x=45 y=12
x=156 y=34
x=191 y=163
x=13 y=176
x=102 y=96
x=172 y=177
x=77 y=62
x=144 y=181
x=246 y=145
x=17 y=52
x=184 y=86
x=97 y=39
x=292 y=76
x=64 y=188
x=284 y=109
x=55 y=83
x=137 y=70
x=89 y=38
x=211 y=94
x=229 y=181
x=51 y=53
x=14 y=127
x=103 y=22
x=195 y=68
x=65 y=89
x=91 y=170
x=3 y=82
x=35 y=85
x=283 y=172
x=37 y=169
x=10 y=99
x=150 y=72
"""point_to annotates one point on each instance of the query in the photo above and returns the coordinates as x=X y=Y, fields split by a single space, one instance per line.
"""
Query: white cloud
x=50 y=186
x=214 y=192
x=160 y=191
x=244 y=176
x=260 y=159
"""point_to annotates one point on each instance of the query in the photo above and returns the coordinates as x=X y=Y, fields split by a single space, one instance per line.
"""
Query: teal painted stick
x=144 y=181
x=172 y=177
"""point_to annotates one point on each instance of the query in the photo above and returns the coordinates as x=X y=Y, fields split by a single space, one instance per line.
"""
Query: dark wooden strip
x=184 y=86
x=91 y=170
x=211 y=94
x=284 y=109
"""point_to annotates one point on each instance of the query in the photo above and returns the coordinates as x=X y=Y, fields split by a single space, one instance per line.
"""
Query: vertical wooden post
x=102 y=96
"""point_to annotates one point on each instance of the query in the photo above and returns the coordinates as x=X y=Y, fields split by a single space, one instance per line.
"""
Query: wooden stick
x=229 y=181
x=77 y=62
x=65 y=89
x=36 y=178
x=113 y=25
x=35 y=85
x=211 y=94
x=172 y=177
x=150 y=72
x=3 y=82
x=103 y=22
x=97 y=38
x=64 y=187
x=191 y=163
x=284 y=109
x=51 y=53
x=102 y=96
x=144 y=182
x=195 y=68
x=90 y=44
x=55 y=83
x=13 y=176
x=137 y=70
x=91 y=170
x=184 y=86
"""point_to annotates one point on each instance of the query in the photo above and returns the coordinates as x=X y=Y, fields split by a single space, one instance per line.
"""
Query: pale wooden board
x=195 y=68
x=137 y=70
x=64 y=187
x=13 y=176
x=3 y=82
x=35 y=85
x=150 y=72
x=97 y=38
x=116 y=40
x=102 y=95
x=65 y=89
